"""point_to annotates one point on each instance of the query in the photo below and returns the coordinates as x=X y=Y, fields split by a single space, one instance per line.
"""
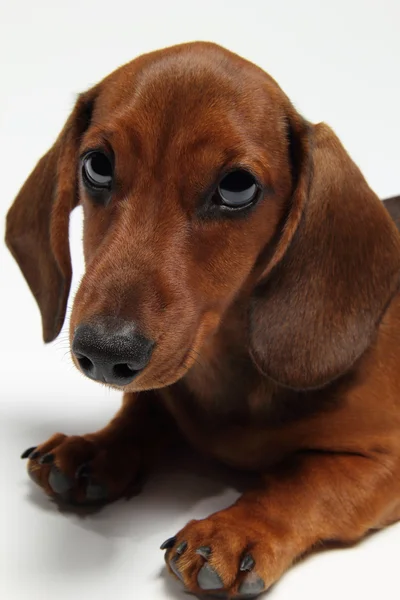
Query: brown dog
x=241 y=288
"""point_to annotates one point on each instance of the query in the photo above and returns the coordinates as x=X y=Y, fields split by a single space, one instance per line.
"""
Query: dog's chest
x=227 y=413
x=244 y=419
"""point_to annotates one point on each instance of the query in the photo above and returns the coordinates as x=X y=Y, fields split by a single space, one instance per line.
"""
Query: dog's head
x=200 y=185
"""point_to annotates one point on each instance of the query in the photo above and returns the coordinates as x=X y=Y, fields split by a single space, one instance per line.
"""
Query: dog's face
x=183 y=183
x=195 y=172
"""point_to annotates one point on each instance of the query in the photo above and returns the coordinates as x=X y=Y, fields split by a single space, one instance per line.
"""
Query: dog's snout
x=111 y=350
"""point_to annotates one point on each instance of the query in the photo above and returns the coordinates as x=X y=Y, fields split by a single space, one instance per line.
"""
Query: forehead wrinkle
x=145 y=131
x=227 y=143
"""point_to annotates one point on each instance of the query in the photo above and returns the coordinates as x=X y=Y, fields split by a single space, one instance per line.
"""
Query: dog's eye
x=97 y=171
x=237 y=189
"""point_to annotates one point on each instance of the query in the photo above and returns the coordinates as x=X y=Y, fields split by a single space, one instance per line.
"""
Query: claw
x=247 y=563
x=47 y=459
x=34 y=455
x=169 y=543
x=208 y=578
x=181 y=548
x=204 y=551
x=83 y=471
x=28 y=452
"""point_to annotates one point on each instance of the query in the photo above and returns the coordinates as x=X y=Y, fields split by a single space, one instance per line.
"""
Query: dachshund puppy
x=241 y=289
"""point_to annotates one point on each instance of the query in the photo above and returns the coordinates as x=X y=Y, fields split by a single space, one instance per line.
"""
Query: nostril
x=124 y=371
x=85 y=364
x=111 y=351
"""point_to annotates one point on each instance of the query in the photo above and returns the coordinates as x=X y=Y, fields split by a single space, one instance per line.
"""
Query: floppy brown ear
x=37 y=222
x=335 y=269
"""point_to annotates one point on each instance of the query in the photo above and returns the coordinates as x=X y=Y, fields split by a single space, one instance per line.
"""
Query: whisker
x=196 y=360
x=201 y=358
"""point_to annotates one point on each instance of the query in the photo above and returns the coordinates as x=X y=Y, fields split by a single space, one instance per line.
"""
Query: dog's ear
x=336 y=266
x=37 y=222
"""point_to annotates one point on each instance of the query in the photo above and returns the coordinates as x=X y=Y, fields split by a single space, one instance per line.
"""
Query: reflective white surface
x=114 y=553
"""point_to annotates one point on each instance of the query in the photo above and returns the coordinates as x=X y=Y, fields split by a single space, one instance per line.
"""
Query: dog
x=241 y=289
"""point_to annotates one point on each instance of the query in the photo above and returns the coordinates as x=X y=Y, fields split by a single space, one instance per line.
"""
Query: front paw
x=221 y=556
x=83 y=469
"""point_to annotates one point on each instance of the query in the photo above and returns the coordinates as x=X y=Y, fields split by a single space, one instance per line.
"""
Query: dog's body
x=265 y=332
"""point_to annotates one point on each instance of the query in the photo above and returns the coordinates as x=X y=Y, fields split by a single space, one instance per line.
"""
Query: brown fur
x=277 y=334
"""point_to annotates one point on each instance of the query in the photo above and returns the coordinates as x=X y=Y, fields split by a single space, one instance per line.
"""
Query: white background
x=339 y=62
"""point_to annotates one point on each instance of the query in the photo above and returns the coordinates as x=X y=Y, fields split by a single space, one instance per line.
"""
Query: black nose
x=111 y=350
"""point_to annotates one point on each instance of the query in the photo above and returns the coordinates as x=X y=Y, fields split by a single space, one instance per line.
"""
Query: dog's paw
x=221 y=557
x=83 y=469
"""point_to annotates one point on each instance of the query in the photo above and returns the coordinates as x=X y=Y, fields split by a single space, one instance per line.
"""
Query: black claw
x=181 y=548
x=28 y=452
x=34 y=455
x=252 y=585
x=47 y=459
x=83 y=472
x=169 y=543
x=59 y=483
x=247 y=563
x=208 y=578
x=204 y=551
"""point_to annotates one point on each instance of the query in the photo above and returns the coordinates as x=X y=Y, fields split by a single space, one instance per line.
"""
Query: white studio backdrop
x=338 y=62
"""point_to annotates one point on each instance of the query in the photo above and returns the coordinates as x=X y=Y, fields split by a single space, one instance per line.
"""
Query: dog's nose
x=111 y=350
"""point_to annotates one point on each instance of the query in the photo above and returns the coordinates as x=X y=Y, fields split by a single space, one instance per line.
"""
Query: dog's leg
x=243 y=550
x=107 y=464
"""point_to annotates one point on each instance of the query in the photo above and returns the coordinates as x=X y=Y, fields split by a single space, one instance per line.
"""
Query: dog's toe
x=59 y=482
x=211 y=557
x=208 y=578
